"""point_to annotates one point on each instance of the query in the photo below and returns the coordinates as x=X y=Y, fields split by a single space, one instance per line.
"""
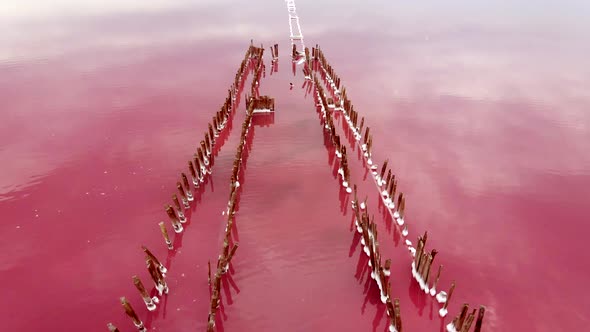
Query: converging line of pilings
x=386 y=185
x=224 y=259
x=380 y=271
x=199 y=168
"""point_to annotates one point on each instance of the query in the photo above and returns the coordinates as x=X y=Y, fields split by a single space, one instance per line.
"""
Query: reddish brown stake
x=185 y=181
x=398 y=317
x=174 y=220
x=451 y=290
x=468 y=322
x=209 y=272
x=479 y=322
x=193 y=172
x=461 y=319
x=402 y=206
x=144 y=294
x=165 y=235
x=216 y=123
x=212 y=132
x=198 y=167
x=176 y=203
x=157 y=277
x=131 y=313
x=419 y=250
x=423 y=261
x=383 y=168
x=366 y=139
x=232 y=253
x=183 y=195
x=433 y=288
x=428 y=268
x=390 y=189
x=153 y=258
x=388 y=178
x=208 y=143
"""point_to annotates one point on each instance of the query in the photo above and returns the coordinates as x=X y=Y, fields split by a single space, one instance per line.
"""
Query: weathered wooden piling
x=149 y=303
x=174 y=219
x=131 y=313
x=443 y=311
x=479 y=322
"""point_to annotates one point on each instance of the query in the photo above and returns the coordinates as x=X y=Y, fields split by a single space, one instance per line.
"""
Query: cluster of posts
x=380 y=271
x=421 y=271
x=227 y=254
x=462 y=323
x=199 y=167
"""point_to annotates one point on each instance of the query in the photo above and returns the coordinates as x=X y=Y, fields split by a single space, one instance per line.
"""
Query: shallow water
x=481 y=108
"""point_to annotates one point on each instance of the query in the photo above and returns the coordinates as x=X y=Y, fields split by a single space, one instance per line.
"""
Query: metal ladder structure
x=294 y=26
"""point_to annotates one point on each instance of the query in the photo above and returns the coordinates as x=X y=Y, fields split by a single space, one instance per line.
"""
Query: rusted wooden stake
x=433 y=288
x=449 y=295
x=232 y=252
x=388 y=178
x=179 y=208
x=174 y=219
x=186 y=186
x=183 y=195
x=209 y=273
x=149 y=303
x=152 y=257
x=165 y=235
x=131 y=313
x=157 y=277
x=428 y=268
x=461 y=319
x=366 y=139
x=479 y=322
x=193 y=172
x=383 y=168
x=419 y=249
x=398 y=317
x=468 y=322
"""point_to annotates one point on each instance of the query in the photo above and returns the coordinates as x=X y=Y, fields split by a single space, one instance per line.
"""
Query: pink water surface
x=482 y=109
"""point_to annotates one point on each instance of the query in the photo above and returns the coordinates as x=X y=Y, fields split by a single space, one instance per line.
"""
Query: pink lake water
x=482 y=109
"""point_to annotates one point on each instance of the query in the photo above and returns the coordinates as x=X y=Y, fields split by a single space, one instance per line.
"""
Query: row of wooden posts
x=380 y=271
x=199 y=167
x=226 y=255
x=387 y=184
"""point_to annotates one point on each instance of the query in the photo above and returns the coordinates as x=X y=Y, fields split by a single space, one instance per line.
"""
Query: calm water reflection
x=482 y=108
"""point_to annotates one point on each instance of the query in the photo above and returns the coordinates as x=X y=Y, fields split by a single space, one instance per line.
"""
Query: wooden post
x=383 y=168
x=165 y=235
x=398 y=318
x=433 y=288
x=151 y=256
x=131 y=313
x=479 y=322
x=462 y=316
x=443 y=311
x=149 y=303
x=175 y=222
